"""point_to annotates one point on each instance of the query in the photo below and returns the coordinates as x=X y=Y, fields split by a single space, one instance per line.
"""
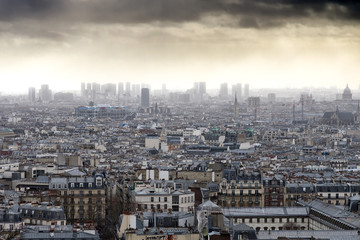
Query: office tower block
x=45 y=93
x=202 y=88
x=163 y=89
x=145 y=97
x=31 y=95
x=120 y=90
x=223 y=94
x=109 y=89
x=127 y=88
x=246 y=91
x=83 y=91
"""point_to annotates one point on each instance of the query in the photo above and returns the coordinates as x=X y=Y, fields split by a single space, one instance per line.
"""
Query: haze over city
x=180 y=119
x=269 y=44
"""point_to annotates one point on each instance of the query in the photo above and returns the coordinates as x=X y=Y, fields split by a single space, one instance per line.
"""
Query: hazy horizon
x=268 y=44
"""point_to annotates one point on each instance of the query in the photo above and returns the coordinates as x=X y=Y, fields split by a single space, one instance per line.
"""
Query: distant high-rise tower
x=223 y=94
x=45 y=93
x=202 y=88
x=163 y=89
x=127 y=88
x=32 y=94
x=246 y=91
x=145 y=97
x=83 y=91
x=95 y=90
x=120 y=89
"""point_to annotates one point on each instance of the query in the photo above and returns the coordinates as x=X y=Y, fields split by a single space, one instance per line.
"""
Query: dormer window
x=81 y=185
x=98 y=181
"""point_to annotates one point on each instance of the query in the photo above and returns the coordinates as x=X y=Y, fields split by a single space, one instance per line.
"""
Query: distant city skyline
x=211 y=88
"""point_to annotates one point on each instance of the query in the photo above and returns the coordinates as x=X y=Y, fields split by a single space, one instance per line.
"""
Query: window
x=81 y=185
x=72 y=185
x=165 y=199
x=98 y=181
x=152 y=199
x=158 y=206
x=159 y=199
x=165 y=206
x=90 y=193
x=90 y=185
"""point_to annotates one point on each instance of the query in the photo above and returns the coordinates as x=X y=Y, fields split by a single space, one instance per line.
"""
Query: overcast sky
x=266 y=43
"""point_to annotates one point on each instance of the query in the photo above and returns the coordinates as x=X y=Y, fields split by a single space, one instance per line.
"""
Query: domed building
x=347 y=95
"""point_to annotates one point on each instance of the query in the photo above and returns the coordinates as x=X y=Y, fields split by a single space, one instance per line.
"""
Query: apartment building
x=83 y=198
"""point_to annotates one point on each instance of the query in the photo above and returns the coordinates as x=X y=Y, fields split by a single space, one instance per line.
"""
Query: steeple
x=235 y=106
x=293 y=112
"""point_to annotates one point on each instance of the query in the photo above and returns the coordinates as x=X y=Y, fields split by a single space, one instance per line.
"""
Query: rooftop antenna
x=235 y=106
x=293 y=112
x=302 y=107
x=255 y=113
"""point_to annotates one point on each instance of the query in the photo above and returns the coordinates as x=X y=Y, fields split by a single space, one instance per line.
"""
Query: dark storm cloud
x=247 y=13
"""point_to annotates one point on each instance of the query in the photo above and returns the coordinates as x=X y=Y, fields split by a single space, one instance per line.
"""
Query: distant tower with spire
x=236 y=112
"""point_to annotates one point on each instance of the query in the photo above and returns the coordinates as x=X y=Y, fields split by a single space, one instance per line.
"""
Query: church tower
x=236 y=113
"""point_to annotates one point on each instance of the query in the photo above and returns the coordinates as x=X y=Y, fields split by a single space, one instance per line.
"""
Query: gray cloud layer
x=248 y=13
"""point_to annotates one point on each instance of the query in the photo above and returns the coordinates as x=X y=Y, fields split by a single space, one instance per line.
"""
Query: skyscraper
x=127 y=88
x=202 y=88
x=120 y=89
x=223 y=94
x=246 y=91
x=235 y=106
x=145 y=97
x=83 y=91
x=32 y=94
x=45 y=93
x=163 y=89
x=108 y=89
